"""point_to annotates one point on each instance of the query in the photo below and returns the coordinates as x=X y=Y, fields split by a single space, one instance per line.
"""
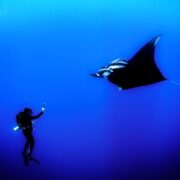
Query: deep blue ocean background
x=90 y=130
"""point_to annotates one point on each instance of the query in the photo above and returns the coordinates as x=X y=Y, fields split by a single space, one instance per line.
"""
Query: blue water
x=90 y=130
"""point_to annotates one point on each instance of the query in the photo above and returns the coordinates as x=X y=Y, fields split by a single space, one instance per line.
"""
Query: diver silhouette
x=25 y=122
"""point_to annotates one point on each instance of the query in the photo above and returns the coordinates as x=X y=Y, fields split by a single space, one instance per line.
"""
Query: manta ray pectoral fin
x=157 y=39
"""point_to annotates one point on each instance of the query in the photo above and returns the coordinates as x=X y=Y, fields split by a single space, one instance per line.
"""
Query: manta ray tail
x=176 y=83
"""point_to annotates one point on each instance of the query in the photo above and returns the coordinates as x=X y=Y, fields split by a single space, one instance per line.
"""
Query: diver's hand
x=43 y=109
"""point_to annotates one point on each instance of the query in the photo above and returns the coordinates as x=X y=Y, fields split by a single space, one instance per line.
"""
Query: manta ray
x=140 y=70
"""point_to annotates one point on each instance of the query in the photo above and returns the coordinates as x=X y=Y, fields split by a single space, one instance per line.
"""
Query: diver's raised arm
x=43 y=109
x=37 y=116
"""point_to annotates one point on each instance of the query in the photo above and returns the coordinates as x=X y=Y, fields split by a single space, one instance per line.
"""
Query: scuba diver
x=25 y=122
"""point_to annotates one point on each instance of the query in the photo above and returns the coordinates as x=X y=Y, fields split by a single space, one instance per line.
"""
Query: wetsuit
x=27 y=128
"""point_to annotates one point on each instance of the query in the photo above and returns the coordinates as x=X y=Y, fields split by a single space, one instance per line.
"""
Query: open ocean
x=91 y=130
